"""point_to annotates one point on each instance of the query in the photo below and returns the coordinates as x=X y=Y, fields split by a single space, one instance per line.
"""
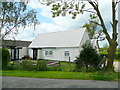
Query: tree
x=88 y=57
x=74 y=7
x=14 y=15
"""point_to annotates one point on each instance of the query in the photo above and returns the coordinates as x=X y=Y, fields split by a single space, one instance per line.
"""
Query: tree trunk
x=111 y=55
x=112 y=41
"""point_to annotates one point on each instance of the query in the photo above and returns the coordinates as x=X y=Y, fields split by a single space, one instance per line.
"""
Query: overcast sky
x=49 y=24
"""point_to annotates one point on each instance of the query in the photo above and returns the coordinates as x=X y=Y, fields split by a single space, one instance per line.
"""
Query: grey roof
x=8 y=43
x=69 y=38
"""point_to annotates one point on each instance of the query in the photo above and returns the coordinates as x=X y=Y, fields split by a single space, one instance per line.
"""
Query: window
x=48 y=53
x=67 y=53
x=51 y=52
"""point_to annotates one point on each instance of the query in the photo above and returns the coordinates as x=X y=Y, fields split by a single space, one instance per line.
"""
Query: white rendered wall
x=84 y=39
x=30 y=52
x=23 y=52
x=58 y=54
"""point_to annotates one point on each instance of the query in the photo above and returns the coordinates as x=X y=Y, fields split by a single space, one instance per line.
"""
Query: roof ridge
x=61 y=31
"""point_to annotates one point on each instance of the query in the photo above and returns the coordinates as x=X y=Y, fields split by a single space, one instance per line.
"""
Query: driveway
x=20 y=82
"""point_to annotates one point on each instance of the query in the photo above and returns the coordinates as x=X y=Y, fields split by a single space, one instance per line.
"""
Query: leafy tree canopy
x=14 y=15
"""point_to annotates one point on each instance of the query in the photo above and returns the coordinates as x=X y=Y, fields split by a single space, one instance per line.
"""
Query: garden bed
x=48 y=63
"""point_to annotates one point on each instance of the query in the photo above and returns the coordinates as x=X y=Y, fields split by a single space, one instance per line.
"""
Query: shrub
x=16 y=65
x=88 y=57
x=41 y=66
x=28 y=66
x=5 y=58
x=54 y=69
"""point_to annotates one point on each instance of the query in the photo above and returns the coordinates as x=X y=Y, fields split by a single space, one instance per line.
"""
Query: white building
x=119 y=38
x=58 y=45
x=17 y=49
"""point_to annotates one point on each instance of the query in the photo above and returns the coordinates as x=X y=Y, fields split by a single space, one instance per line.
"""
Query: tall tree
x=14 y=15
x=74 y=7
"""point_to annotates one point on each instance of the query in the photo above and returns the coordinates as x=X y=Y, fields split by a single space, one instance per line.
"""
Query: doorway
x=35 y=54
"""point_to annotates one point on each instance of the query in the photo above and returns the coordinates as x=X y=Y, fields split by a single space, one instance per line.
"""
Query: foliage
x=41 y=66
x=5 y=58
x=17 y=65
x=55 y=69
x=13 y=16
x=28 y=66
x=88 y=57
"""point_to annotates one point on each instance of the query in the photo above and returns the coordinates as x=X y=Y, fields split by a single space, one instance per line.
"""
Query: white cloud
x=61 y=23
x=34 y=4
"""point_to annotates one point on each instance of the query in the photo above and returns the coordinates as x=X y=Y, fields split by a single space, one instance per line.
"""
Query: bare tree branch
x=96 y=23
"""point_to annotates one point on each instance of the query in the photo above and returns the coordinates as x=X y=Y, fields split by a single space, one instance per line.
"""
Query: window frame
x=67 y=53
x=48 y=53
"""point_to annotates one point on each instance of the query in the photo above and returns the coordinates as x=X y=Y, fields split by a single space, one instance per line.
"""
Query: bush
x=54 y=69
x=41 y=66
x=28 y=66
x=5 y=58
x=88 y=58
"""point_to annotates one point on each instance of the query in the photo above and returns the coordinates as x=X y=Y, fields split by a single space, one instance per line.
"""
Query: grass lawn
x=62 y=75
x=117 y=60
x=65 y=66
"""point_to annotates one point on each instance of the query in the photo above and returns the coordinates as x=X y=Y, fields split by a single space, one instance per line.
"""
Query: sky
x=49 y=24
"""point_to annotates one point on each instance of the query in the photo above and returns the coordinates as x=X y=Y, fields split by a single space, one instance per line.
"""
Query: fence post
x=69 y=65
x=104 y=64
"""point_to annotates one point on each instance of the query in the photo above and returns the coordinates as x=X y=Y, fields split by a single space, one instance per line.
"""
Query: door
x=35 y=54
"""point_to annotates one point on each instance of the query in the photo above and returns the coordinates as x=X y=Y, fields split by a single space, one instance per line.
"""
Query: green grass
x=103 y=52
x=63 y=75
x=65 y=66
x=117 y=60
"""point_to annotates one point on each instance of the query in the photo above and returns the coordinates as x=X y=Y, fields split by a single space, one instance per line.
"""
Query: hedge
x=5 y=57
